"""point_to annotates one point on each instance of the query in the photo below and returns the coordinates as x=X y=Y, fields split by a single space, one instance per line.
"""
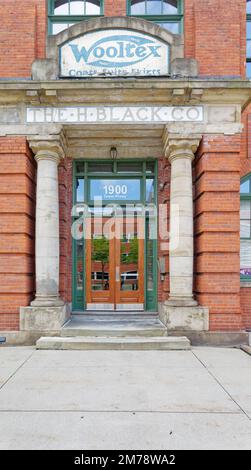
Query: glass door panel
x=99 y=266
x=130 y=266
x=114 y=264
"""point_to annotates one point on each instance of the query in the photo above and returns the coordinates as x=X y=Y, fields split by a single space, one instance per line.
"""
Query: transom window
x=167 y=13
x=115 y=181
x=65 y=13
x=246 y=227
x=248 y=52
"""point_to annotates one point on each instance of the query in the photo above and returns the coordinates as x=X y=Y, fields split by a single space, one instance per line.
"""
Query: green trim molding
x=143 y=171
x=68 y=19
x=169 y=19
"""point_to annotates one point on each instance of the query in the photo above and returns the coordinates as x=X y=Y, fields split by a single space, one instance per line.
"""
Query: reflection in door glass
x=100 y=264
x=80 y=190
x=149 y=190
x=79 y=265
x=129 y=263
x=149 y=257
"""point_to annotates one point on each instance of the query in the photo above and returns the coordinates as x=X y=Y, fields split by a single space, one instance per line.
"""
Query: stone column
x=47 y=230
x=181 y=312
x=180 y=152
x=47 y=310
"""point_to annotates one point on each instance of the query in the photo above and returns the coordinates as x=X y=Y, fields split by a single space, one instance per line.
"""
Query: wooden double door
x=115 y=264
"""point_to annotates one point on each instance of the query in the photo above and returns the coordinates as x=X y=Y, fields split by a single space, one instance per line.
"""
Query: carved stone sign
x=114 y=114
x=115 y=53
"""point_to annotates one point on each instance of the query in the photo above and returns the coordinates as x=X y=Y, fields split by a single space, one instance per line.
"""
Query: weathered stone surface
x=109 y=343
x=213 y=338
x=44 y=69
x=185 y=67
x=197 y=338
x=43 y=318
x=10 y=115
x=114 y=326
x=48 y=155
x=180 y=152
x=176 y=41
x=185 y=318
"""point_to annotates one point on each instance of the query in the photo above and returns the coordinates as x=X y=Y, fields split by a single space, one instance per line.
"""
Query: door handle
x=117 y=274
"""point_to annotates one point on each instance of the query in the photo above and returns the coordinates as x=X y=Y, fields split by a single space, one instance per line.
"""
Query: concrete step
x=113 y=326
x=114 y=343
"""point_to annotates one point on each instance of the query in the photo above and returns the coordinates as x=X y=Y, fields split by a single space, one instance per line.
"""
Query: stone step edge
x=163 y=342
x=113 y=332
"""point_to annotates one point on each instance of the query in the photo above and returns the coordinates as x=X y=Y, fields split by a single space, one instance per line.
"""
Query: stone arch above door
x=142 y=29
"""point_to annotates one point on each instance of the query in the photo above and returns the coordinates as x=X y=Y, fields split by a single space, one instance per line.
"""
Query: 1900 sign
x=114 y=52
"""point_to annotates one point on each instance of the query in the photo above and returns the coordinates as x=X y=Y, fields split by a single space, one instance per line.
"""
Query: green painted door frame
x=78 y=246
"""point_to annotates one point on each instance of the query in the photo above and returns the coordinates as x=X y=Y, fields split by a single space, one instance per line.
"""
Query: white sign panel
x=115 y=114
x=115 y=53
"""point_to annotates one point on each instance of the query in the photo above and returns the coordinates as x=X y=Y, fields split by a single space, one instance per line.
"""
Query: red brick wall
x=22 y=35
x=65 y=207
x=217 y=262
x=17 y=211
x=24 y=24
x=246 y=306
x=115 y=8
x=245 y=169
x=62 y=177
x=164 y=178
x=215 y=35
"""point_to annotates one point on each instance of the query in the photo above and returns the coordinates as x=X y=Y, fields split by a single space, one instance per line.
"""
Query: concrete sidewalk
x=199 y=399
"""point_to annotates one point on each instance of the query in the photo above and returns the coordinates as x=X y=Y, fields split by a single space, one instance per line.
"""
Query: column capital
x=48 y=147
x=180 y=145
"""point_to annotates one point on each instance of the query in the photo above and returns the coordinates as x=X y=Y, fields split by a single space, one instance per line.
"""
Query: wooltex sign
x=115 y=53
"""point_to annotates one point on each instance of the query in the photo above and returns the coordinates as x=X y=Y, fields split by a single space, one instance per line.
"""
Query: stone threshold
x=111 y=343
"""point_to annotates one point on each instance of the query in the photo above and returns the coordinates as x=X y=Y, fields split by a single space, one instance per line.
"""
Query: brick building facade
x=208 y=73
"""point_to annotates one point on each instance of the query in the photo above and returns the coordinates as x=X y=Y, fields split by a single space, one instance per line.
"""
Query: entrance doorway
x=115 y=264
x=115 y=252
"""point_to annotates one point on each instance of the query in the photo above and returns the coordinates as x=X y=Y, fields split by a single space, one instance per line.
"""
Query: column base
x=185 y=318
x=51 y=301
x=181 y=302
x=43 y=318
